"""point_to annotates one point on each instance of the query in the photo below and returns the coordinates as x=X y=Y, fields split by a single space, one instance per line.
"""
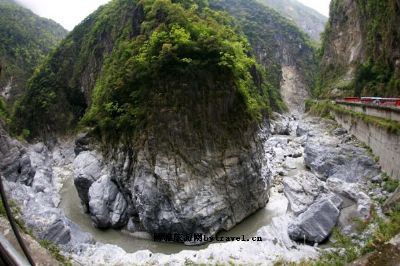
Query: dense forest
x=25 y=40
x=157 y=55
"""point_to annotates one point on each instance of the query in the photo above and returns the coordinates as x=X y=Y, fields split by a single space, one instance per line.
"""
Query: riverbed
x=72 y=207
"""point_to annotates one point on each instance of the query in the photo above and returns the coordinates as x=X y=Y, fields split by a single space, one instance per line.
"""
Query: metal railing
x=8 y=253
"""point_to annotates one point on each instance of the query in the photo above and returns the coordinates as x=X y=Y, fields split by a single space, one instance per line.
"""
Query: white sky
x=322 y=6
x=70 y=12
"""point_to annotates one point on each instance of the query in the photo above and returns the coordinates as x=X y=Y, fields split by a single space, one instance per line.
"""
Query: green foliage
x=323 y=109
x=55 y=252
x=387 y=229
x=390 y=184
x=306 y=18
x=57 y=84
x=4 y=113
x=183 y=49
x=130 y=60
x=266 y=29
x=25 y=40
x=376 y=73
x=319 y=108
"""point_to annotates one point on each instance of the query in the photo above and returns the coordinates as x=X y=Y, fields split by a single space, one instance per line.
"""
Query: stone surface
x=38 y=202
x=107 y=205
x=181 y=190
x=276 y=245
x=301 y=191
x=353 y=193
x=384 y=144
x=281 y=125
x=87 y=169
x=15 y=164
x=316 y=223
x=342 y=161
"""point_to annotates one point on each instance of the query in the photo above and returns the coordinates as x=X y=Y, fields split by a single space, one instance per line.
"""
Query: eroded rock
x=87 y=169
x=15 y=164
x=316 y=223
x=107 y=205
x=301 y=191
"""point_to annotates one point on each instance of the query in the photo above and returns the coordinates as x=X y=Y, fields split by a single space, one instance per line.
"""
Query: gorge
x=181 y=117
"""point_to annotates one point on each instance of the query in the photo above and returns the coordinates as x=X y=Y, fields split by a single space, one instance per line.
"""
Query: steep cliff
x=360 y=49
x=309 y=20
x=25 y=39
x=286 y=52
x=173 y=103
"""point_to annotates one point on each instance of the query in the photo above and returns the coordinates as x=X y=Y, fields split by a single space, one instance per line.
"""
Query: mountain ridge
x=306 y=18
x=25 y=40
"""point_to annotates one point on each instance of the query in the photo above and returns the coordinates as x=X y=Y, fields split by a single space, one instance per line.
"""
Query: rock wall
x=15 y=164
x=359 y=49
x=294 y=91
x=384 y=144
x=278 y=45
x=205 y=191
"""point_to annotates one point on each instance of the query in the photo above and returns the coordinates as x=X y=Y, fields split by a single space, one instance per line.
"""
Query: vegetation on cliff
x=377 y=70
x=25 y=40
x=307 y=19
x=136 y=63
x=275 y=40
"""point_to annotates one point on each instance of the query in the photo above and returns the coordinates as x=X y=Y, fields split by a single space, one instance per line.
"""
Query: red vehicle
x=374 y=100
x=352 y=99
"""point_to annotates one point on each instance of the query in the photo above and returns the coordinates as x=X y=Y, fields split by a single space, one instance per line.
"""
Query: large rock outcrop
x=337 y=160
x=31 y=182
x=198 y=193
x=15 y=164
x=317 y=222
x=181 y=136
x=87 y=170
x=107 y=205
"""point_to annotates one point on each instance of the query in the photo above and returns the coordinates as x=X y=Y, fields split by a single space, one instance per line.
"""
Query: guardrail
x=386 y=112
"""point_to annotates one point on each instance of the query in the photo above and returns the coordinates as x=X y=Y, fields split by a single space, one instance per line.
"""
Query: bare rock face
x=15 y=164
x=302 y=191
x=107 y=205
x=342 y=161
x=87 y=170
x=317 y=222
x=169 y=192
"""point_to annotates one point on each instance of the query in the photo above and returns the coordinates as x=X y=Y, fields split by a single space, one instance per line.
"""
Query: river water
x=71 y=205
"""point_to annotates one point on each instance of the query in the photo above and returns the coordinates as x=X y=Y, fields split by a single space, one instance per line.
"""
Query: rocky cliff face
x=177 y=110
x=359 y=49
x=179 y=190
x=176 y=115
x=309 y=20
x=281 y=47
x=15 y=164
